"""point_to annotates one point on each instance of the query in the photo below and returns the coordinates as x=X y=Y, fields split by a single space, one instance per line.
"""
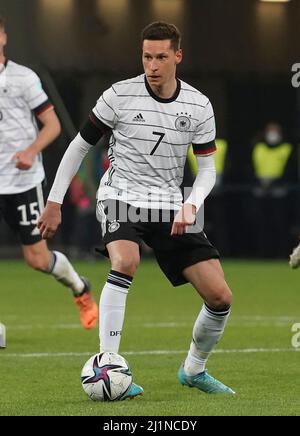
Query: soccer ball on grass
x=106 y=377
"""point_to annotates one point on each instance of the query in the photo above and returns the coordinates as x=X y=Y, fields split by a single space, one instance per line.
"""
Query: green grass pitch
x=46 y=346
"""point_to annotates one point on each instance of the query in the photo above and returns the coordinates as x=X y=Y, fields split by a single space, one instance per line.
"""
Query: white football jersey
x=150 y=140
x=20 y=93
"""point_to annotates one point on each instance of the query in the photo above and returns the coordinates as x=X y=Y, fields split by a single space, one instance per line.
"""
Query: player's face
x=159 y=61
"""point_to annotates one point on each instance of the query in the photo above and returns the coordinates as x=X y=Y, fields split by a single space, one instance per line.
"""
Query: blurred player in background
x=22 y=173
x=153 y=119
x=295 y=257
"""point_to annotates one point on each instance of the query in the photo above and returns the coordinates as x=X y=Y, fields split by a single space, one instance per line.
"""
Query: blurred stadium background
x=239 y=53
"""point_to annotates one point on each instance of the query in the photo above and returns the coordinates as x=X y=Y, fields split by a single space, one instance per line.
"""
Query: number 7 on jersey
x=161 y=135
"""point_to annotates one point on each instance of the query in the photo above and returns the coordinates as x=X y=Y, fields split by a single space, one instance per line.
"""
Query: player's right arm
x=69 y=165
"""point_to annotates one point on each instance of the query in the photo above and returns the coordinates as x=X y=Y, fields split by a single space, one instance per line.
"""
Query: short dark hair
x=160 y=30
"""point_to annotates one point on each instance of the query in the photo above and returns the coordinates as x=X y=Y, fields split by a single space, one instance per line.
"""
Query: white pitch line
x=234 y=320
x=150 y=352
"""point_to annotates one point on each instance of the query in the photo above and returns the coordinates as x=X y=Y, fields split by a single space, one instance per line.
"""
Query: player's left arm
x=48 y=133
x=204 y=147
x=203 y=184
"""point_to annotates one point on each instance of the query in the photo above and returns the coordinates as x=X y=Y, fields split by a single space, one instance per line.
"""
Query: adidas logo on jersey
x=139 y=117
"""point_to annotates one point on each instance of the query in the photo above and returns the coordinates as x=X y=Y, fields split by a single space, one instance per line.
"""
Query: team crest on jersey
x=113 y=227
x=183 y=123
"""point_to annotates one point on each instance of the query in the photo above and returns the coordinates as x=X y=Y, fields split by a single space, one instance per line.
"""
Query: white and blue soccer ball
x=106 y=377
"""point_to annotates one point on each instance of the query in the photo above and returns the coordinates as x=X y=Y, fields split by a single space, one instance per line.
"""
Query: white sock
x=112 y=310
x=207 y=332
x=64 y=272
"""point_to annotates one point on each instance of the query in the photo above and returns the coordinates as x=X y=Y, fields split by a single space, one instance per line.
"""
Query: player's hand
x=24 y=159
x=185 y=217
x=49 y=220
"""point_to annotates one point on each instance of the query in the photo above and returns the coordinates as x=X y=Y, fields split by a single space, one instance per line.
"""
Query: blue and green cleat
x=132 y=392
x=204 y=382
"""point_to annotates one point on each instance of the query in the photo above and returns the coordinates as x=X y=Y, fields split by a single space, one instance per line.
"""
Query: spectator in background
x=270 y=158
x=22 y=173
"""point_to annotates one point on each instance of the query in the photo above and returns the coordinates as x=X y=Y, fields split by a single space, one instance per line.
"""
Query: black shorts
x=22 y=211
x=173 y=253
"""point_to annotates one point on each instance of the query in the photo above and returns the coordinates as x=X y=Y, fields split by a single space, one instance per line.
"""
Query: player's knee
x=125 y=264
x=222 y=299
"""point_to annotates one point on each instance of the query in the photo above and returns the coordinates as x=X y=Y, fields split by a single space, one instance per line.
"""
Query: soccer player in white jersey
x=22 y=173
x=153 y=118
